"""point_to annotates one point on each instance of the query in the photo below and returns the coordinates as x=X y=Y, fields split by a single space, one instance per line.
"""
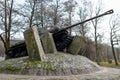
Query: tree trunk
x=70 y=13
x=42 y=22
x=96 y=47
x=113 y=51
x=32 y=14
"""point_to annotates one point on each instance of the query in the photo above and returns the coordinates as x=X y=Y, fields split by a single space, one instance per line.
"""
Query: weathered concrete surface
x=103 y=74
x=34 y=45
x=78 y=46
x=2 y=49
x=48 y=43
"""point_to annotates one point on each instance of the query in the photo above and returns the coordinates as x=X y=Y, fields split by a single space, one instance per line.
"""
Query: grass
x=106 y=64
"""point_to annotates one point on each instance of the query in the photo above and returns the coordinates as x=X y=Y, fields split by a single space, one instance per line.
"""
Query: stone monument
x=57 y=64
x=48 y=43
x=34 y=45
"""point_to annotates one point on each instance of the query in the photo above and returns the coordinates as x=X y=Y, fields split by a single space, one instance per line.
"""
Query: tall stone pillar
x=34 y=45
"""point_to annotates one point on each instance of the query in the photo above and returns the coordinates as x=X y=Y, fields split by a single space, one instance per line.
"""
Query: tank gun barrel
x=106 y=13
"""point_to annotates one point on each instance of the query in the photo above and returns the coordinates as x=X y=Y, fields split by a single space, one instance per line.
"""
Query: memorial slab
x=48 y=43
x=34 y=45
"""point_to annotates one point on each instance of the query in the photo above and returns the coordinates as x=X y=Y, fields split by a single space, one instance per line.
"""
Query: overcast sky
x=110 y=4
x=113 y=4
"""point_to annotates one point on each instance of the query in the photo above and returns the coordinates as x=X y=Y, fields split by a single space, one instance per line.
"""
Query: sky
x=112 y=4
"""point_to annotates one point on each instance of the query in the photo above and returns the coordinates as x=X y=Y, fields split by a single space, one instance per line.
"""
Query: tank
x=17 y=50
x=62 y=38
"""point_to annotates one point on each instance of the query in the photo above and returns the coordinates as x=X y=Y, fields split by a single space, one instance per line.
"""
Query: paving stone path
x=103 y=74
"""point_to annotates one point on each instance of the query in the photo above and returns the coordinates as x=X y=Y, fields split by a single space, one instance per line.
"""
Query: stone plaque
x=34 y=46
x=48 y=43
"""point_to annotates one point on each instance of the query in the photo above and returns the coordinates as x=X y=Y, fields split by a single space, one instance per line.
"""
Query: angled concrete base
x=78 y=46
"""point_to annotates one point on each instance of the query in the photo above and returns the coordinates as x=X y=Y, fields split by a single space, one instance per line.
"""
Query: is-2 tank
x=61 y=37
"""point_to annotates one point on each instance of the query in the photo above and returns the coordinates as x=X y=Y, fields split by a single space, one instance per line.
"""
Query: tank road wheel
x=18 y=50
x=10 y=54
x=62 y=40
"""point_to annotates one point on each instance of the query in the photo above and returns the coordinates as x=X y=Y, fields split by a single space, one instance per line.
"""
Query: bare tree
x=41 y=11
x=95 y=23
x=55 y=19
x=6 y=19
x=69 y=7
x=83 y=14
x=38 y=10
x=32 y=13
x=54 y=12
x=28 y=11
x=114 y=38
x=10 y=21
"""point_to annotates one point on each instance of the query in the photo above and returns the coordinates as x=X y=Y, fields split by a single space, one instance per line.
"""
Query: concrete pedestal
x=78 y=46
x=48 y=43
x=34 y=46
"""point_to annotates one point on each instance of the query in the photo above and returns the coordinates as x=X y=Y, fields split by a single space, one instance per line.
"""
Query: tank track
x=18 y=50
